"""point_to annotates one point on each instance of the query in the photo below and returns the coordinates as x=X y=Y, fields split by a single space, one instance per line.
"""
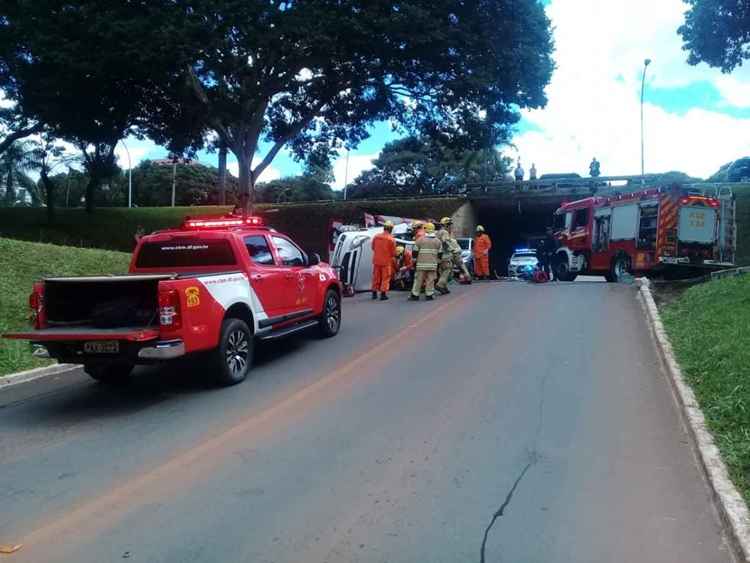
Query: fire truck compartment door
x=624 y=222
x=697 y=224
x=603 y=212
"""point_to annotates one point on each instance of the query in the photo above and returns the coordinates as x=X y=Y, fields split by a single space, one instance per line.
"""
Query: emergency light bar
x=220 y=222
x=710 y=201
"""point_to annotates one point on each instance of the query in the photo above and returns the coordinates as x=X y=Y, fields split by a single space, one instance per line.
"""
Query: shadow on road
x=149 y=386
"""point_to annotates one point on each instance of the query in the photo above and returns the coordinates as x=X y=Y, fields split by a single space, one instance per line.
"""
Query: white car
x=352 y=256
x=522 y=263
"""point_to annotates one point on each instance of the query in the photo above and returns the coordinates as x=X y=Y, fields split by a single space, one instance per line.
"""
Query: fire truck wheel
x=562 y=271
x=620 y=267
x=330 y=321
x=110 y=373
x=234 y=356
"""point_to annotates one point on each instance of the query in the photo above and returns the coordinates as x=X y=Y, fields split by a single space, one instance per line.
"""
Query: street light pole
x=346 y=173
x=643 y=91
x=130 y=175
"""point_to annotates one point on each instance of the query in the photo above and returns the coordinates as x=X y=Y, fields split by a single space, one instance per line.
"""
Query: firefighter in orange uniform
x=383 y=254
x=482 y=246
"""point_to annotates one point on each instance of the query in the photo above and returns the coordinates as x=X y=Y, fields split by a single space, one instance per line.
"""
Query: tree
x=14 y=126
x=735 y=171
x=85 y=69
x=419 y=165
x=717 y=32
x=268 y=75
x=15 y=163
x=46 y=155
x=312 y=185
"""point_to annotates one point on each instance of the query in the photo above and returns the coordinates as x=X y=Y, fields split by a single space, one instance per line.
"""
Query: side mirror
x=313 y=259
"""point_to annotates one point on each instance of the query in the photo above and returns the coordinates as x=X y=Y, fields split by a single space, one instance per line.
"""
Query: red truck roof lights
x=221 y=222
x=694 y=199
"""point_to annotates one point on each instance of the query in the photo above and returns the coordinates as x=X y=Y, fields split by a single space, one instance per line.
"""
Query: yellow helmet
x=480 y=229
x=429 y=228
x=399 y=250
x=388 y=226
x=445 y=221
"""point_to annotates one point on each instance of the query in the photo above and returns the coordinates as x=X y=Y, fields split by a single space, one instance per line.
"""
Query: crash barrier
x=733 y=273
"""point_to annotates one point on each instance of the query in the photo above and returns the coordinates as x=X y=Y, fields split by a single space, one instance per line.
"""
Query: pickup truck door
x=300 y=284
x=267 y=278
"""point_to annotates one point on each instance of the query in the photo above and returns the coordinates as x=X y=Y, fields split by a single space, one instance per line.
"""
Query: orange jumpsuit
x=384 y=251
x=482 y=246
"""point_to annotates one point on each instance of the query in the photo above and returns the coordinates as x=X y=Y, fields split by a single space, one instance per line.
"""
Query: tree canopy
x=268 y=75
x=717 y=32
x=419 y=165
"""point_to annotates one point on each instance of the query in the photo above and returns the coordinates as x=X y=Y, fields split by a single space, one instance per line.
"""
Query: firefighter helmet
x=445 y=221
x=429 y=228
x=388 y=226
x=480 y=229
x=399 y=250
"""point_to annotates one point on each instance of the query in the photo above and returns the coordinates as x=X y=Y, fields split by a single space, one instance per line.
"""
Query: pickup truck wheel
x=115 y=373
x=234 y=356
x=330 y=321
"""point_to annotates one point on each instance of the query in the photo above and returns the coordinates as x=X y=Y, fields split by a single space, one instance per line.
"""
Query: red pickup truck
x=214 y=285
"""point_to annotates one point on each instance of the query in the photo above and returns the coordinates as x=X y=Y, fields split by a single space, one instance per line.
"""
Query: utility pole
x=346 y=173
x=222 y=173
x=175 y=158
x=643 y=144
x=130 y=175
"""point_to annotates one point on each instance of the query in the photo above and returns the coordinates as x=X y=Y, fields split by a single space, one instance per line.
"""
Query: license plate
x=101 y=347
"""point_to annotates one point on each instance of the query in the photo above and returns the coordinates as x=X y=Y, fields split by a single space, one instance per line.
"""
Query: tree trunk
x=246 y=181
x=10 y=193
x=49 y=192
x=91 y=188
x=223 y=174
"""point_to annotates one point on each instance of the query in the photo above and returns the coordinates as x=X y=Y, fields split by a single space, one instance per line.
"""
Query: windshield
x=464 y=243
x=523 y=255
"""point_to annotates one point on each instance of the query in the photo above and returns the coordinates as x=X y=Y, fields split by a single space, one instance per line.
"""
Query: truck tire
x=234 y=356
x=110 y=373
x=562 y=272
x=620 y=266
x=330 y=321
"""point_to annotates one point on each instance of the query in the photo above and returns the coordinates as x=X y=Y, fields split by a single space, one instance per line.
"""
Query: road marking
x=187 y=466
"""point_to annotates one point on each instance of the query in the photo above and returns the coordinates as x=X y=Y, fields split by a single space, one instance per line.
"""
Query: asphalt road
x=396 y=441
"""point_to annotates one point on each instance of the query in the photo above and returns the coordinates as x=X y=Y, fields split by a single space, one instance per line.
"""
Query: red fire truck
x=653 y=231
x=214 y=285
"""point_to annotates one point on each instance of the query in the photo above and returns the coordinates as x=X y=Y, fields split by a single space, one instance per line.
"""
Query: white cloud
x=594 y=96
x=268 y=175
x=358 y=163
x=138 y=150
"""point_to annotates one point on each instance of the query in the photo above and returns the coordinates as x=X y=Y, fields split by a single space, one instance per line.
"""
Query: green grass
x=709 y=326
x=22 y=263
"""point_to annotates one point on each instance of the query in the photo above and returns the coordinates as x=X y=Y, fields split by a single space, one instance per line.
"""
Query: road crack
x=533 y=458
x=503 y=506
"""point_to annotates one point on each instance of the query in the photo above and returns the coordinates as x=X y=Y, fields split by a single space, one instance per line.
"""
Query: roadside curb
x=732 y=507
x=37 y=373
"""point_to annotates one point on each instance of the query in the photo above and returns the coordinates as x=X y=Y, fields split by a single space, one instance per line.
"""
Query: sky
x=696 y=118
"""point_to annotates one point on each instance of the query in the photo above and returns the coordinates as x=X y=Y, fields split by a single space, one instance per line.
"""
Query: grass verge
x=22 y=263
x=709 y=326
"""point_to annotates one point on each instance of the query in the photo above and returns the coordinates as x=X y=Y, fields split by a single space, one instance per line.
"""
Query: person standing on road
x=482 y=246
x=542 y=257
x=427 y=250
x=383 y=253
x=445 y=267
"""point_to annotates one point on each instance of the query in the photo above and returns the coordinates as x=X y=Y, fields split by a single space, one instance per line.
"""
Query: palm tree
x=15 y=162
